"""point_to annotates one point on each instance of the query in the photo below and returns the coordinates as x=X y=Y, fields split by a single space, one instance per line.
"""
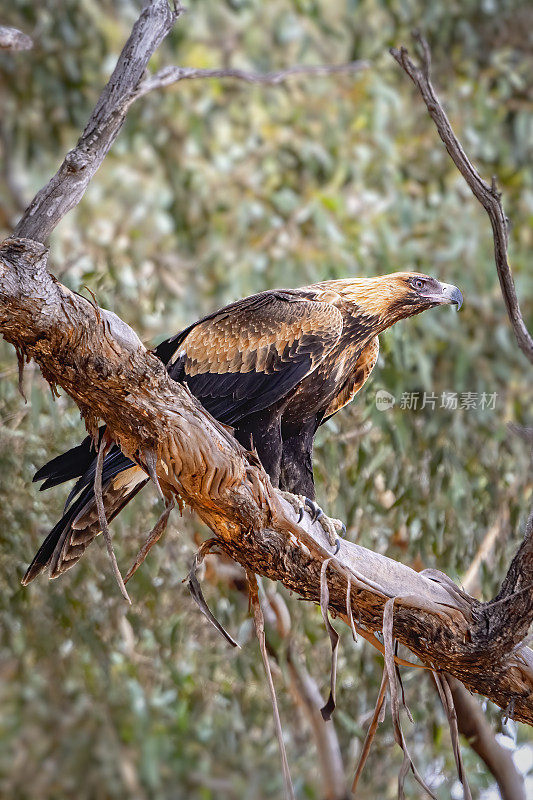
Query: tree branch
x=103 y=366
x=170 y=75
x=488 y=196
x=13 y=39
x=474 y=727
x=508 y=617
x=65 y=190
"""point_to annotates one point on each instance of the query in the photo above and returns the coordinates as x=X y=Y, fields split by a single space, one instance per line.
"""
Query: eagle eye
x=418 y=283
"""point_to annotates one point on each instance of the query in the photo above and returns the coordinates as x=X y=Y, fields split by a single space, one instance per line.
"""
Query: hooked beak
x=450 y=295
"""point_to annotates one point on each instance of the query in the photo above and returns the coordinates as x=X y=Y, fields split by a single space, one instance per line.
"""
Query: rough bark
x=100 y=362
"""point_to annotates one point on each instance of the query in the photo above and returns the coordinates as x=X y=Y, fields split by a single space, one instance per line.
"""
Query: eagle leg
x=331 y=527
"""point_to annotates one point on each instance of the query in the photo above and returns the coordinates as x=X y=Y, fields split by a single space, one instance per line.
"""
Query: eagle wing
x=250 y=355
x=236 y=361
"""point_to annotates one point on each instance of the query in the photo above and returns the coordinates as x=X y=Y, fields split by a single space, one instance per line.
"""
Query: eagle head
x=413 y=292
x=386 y=299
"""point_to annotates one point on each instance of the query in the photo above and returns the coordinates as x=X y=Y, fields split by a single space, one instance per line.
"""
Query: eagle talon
x=315 y=512
x=297 y=502
x=333 y=528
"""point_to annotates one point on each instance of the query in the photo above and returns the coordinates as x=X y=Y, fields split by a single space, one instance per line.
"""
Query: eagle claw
x=330 y=526
x=315 y=512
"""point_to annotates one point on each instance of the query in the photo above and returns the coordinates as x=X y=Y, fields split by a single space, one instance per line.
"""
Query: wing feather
x=250 y=355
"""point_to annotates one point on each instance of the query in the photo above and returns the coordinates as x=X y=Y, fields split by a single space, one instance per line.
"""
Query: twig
x=102 y=449
x=171 y=75
x=259 y=622
x=488 y=196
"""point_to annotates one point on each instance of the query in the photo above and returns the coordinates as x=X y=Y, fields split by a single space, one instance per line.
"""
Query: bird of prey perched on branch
x=274 y=366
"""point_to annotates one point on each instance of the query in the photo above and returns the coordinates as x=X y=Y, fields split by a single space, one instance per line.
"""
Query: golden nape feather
x=274 y=366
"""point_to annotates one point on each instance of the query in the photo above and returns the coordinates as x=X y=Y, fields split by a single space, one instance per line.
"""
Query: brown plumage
x=274 y=366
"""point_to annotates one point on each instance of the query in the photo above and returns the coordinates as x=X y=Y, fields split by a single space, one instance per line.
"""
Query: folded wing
x=237 y=361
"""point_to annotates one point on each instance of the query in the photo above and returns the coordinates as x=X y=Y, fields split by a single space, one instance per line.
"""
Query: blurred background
x=215 y=190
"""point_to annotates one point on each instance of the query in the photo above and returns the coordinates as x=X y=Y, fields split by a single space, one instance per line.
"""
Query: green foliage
x=215 y=190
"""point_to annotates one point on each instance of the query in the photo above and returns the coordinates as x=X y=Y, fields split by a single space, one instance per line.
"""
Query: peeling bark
x=100 y=362
x=103 y=366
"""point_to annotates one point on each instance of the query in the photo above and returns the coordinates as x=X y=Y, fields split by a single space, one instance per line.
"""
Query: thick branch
x=102 y=365
x=506 y=619
x=488 y=196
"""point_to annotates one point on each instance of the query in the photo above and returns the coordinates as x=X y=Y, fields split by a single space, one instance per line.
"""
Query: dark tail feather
x=114 y=462
x=44 y=555
x=68 y=540
x=72 y=464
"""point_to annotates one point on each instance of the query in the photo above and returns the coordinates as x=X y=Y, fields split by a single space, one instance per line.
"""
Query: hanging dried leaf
x=445 y=694
x=198 y=597
x=377 y=718
x=102 y=449
x=329 y=708
x=259 y=622
x=153 y=537
x=388 y=621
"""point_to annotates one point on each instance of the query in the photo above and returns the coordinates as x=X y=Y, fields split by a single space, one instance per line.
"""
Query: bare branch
x=170 y=75
x=504 y=622
x=13 y=39
x=473 y=725
x=307 y=695
x=65 y=190
x=67 y=187
x=488 y=196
